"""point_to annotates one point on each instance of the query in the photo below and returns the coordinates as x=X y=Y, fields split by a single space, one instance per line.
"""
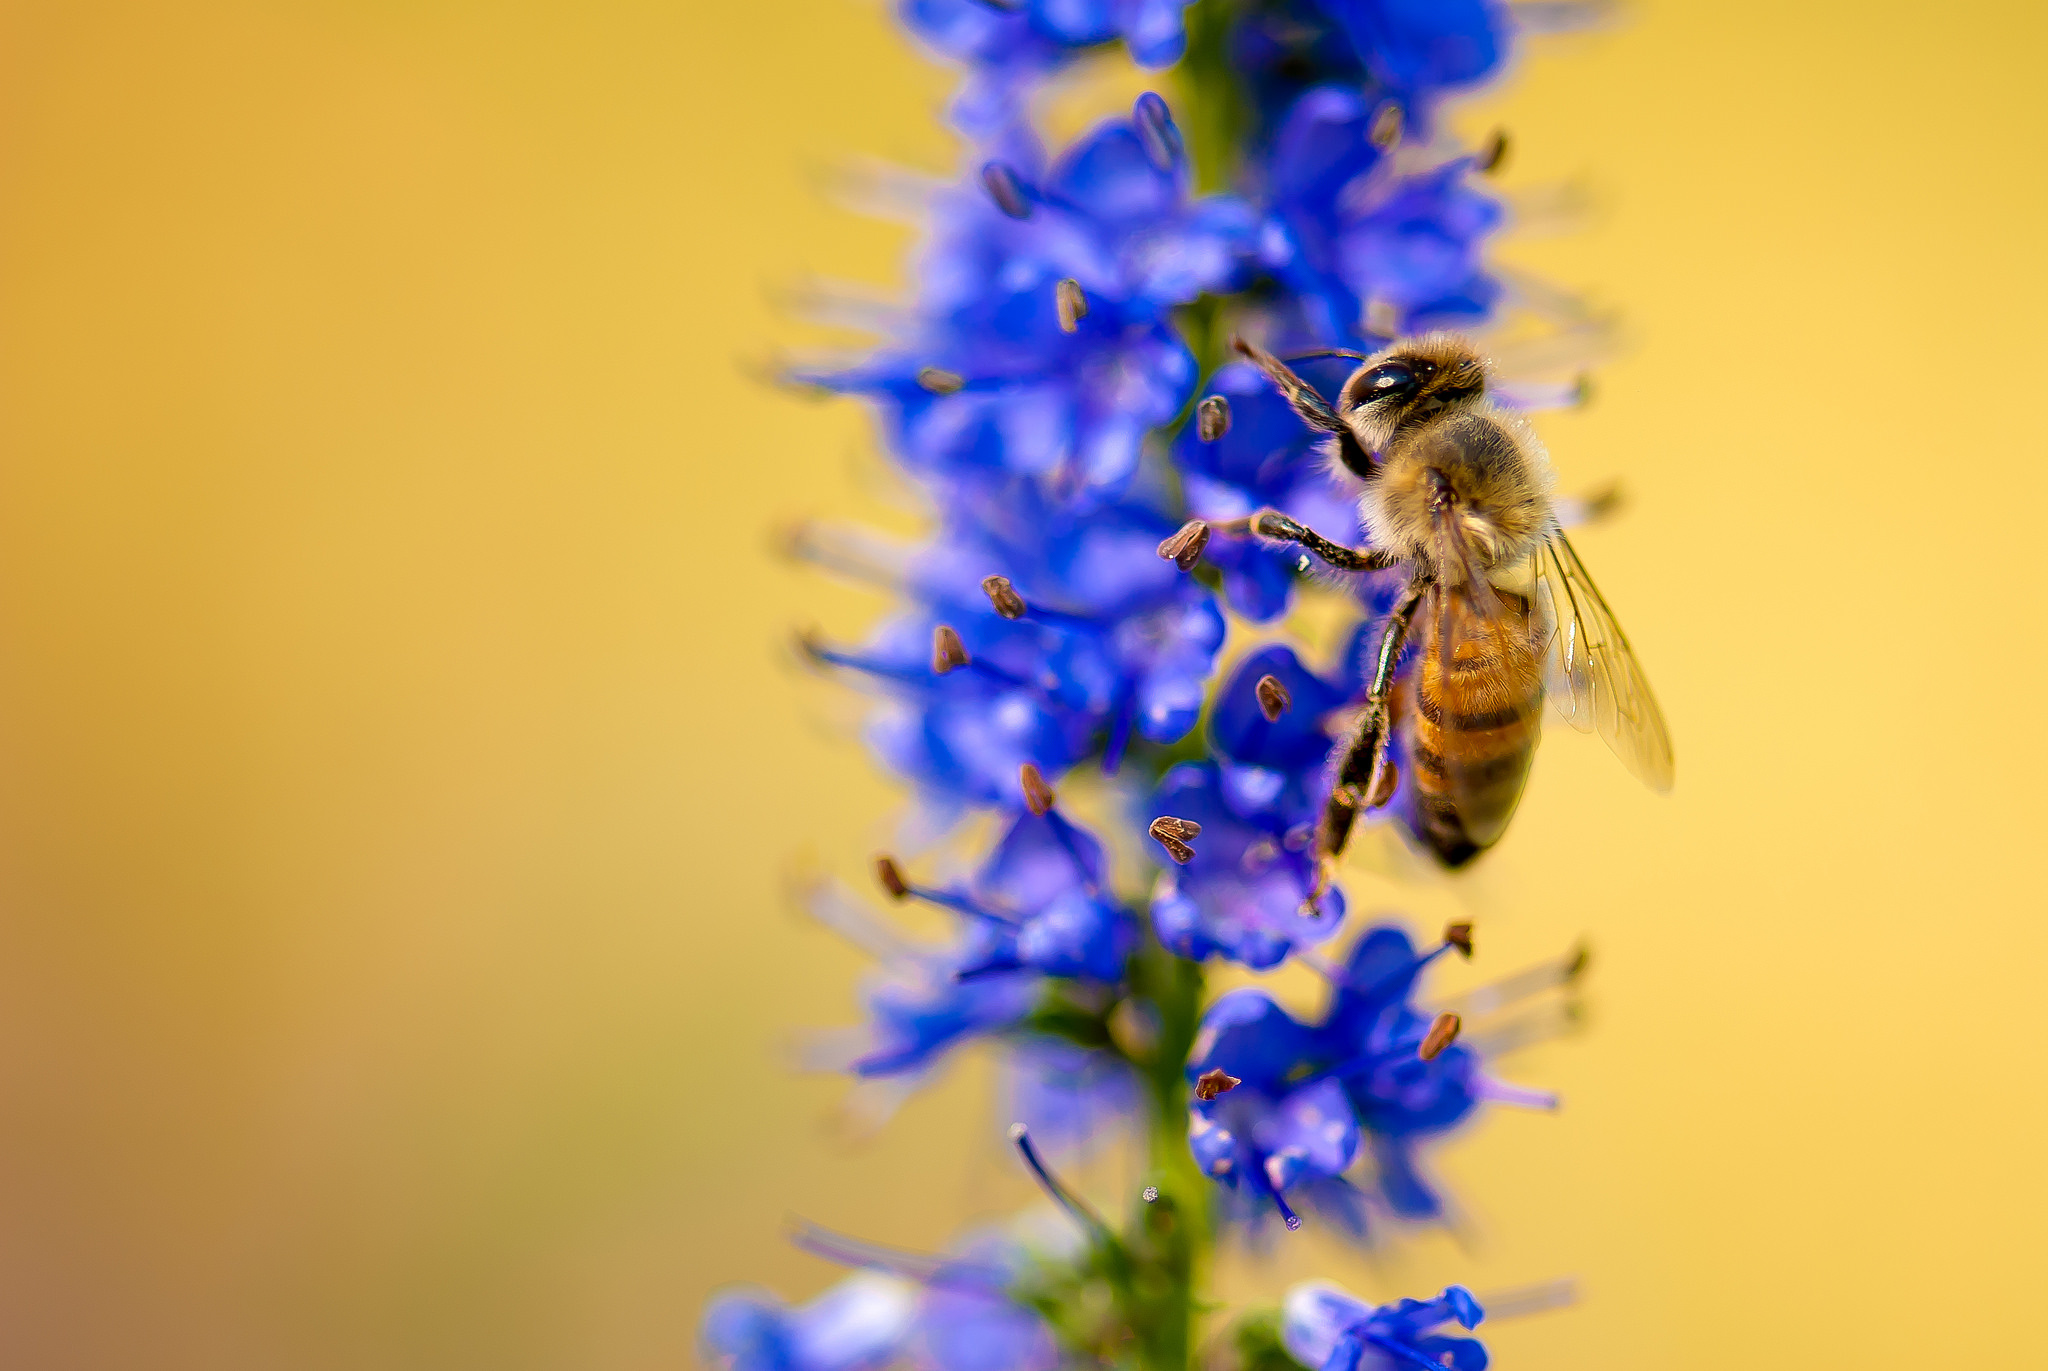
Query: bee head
x=1410 y=381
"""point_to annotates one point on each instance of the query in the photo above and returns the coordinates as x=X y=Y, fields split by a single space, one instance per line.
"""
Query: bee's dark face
x=1413 y=379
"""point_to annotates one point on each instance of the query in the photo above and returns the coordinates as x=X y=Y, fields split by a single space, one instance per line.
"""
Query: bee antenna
x=1330 y=352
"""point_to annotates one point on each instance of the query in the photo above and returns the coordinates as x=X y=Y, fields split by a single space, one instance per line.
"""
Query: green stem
x=1211 y=107
x=1169 y=1236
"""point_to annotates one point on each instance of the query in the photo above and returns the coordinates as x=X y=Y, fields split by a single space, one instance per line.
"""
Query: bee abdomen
x=1470 y=738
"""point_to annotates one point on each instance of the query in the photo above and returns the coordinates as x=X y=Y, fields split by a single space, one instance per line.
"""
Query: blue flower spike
x=1093 y=459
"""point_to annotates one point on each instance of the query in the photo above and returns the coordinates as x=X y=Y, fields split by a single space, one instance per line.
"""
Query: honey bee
x=1457 y=493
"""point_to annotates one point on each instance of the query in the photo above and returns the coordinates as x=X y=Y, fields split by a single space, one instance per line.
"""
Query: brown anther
x=947 y=649
x=1382 y=318
x=1273 y=698
x=1184 y=548
x=1494 y=153
x=939 y=381
x=1604 y=501
x=891 y=878
x=1582 y=391
x=1038 y=795
x=1003 y=596
x=1385 y=129
x=1215 y=1081
x=999 y=179
x=1384 y=779
x=1172 y=834
x=1071 y=304
x=1441 y=1035
x=1576 y=967
x=1212 y=418
x=1459 y=935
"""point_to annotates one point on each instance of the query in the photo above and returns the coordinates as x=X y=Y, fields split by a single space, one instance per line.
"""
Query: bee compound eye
x=1387 y=379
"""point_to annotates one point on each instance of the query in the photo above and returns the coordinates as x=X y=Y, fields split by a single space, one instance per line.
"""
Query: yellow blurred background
x=398 y=759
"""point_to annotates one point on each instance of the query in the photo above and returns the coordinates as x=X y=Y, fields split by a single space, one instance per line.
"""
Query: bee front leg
x=1365 y=778
x=1271 y=523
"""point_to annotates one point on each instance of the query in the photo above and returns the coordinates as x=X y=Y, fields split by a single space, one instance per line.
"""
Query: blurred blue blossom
x=1037 y=932
x=862 y=1324
x=1366 y=246
x=1327 y=1329
x=1009 y=45
x=991 y=379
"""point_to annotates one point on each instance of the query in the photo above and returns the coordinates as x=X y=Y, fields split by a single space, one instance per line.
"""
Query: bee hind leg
x=1365 y=778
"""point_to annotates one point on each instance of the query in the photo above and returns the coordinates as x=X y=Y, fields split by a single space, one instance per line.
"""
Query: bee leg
x=1365 y=777
x=1309 y=403
x=1269 y=523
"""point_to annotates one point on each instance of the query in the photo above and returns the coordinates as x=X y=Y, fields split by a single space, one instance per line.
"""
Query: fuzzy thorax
x=1474 y=462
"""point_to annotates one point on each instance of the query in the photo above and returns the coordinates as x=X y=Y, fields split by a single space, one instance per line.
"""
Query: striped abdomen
x=1468 y=724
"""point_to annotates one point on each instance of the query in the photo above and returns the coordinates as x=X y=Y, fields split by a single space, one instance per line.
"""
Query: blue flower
x=1356 y=232
x=1008 y=48
x=1241 y=895
x=1371 y=1040
x=862 y=1324
x=1313 y=1098
x=1038 y=930
x=1114 y=644
x=997 y=375
x=970 y=1314
x=1267 y=459
x=1327 y=1329
x=1066 y=1093
x=1271 y=1129
x=969 y=1320
x=924 y=1006
x=1419 y=49
x=1270 y=768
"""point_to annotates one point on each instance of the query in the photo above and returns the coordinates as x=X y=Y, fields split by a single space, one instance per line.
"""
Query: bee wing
x=1486 y=646
x=1594 y=680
